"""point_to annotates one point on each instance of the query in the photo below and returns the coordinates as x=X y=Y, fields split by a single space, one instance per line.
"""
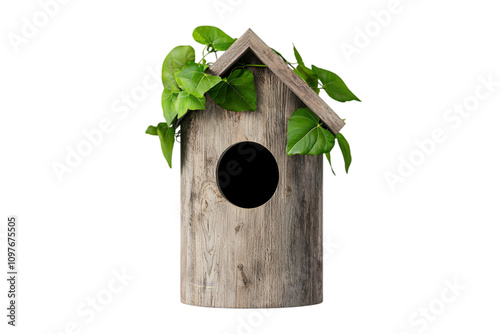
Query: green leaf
x=346 y=151
x=298 y=57
x=178 y=103
x=334 y=85
x=194 y=81
x=175 y=60
x=166 y=134
x=204 y=65
x=236 y=92
x=305 y=134
x=311 y=80
x=151 y=130
x=213 y=37
x=305 y=73
x=168 y=103
x=186 y=101
x=330 y=162
x=304 y=68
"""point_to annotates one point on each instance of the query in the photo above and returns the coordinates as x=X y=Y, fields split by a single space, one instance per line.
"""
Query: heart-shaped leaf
x=175 y=60
x=194 y=81
x=213 y=37
x=186 y=101
x=334 y=86
x=236 y=92
x=305 y=134
x=178 y=103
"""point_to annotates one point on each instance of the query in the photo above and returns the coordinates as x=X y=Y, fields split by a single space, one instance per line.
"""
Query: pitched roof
x=250 y=41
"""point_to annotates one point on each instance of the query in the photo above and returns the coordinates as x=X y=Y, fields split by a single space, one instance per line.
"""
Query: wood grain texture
x=269 y=256
x=250 y=41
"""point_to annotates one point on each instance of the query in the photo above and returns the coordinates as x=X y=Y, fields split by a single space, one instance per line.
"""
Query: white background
x=389 y=250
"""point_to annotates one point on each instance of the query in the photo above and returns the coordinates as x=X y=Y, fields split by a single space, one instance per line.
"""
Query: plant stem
x=247 y=65
x=203 y=55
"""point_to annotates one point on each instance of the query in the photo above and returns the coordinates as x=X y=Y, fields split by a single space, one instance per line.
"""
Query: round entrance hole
x=247 y=174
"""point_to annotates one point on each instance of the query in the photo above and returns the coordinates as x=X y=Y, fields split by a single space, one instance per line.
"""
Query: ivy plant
x=186 y=82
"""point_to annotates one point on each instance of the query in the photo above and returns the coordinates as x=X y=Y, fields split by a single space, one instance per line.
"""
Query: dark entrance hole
x=247 y=174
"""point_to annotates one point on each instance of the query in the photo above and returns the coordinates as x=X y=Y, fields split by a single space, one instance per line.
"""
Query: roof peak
x=250 y=41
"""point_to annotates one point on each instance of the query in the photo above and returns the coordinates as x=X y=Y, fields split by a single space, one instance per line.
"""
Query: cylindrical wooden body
x=268 y=256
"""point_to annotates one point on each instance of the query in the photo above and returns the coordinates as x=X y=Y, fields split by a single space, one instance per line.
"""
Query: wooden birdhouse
x=251 y=230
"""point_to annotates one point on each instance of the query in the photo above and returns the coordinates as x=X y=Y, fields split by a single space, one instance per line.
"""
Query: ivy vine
x=186 y=82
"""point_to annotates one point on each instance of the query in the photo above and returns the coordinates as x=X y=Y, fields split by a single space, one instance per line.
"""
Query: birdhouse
x=251 y=216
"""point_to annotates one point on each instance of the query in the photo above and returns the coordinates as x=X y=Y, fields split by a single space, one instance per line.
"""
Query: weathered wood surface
x=269 y=256
x=250 y=41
